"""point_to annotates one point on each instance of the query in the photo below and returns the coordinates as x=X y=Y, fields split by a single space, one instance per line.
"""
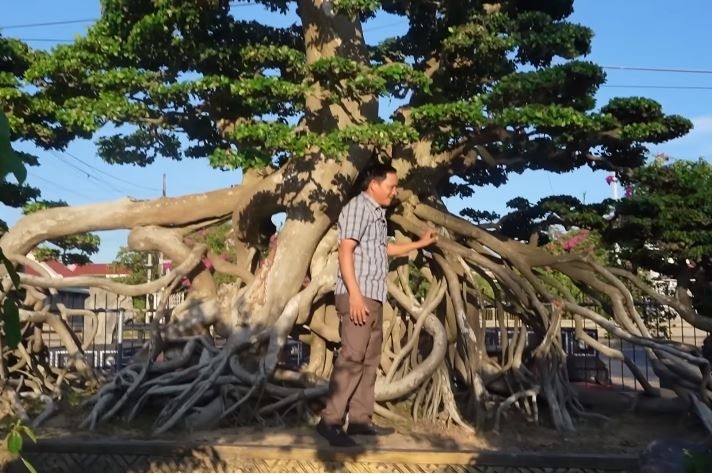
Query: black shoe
x=335 y=435
x=369 y=429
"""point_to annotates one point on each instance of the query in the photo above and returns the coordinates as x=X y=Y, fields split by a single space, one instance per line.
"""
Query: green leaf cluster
x=14 y=441
x=262 y=144
x=354 y=8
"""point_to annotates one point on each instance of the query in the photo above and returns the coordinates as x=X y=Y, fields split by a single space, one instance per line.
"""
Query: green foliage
x=670 y=208
x=346 y=78
x=267 y=143
x=24 y=115
x=479 y=217
x=136 y=263
x=572 y=83
x=354 y=8
x=418 y=285
x=10 y=162
x=219 y=240
x=11 y=322
x=697 y=462
x=14 y=441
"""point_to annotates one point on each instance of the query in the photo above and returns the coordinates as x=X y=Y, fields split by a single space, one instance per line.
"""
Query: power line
x=49 y=23
x=46 y=40
x=89 y=175
x=58 y=186
x=240 y=4
x=659 y=69
x=640 y=86
x=234 y=3
x=628 y=86
x=381 y=27
x=109 y=174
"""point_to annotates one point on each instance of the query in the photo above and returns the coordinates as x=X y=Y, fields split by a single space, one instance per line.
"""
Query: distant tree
x=136 y=263
x=663 y=224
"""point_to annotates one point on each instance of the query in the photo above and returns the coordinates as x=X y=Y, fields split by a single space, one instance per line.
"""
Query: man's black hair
x=377 y=172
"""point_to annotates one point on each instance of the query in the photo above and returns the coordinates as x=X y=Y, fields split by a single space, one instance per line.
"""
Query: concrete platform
x=264 y=455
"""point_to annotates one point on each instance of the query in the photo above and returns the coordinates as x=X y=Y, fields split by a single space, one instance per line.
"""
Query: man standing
x=360 y=293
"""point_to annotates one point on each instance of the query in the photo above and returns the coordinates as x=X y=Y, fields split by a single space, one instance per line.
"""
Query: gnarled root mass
x=444 y=358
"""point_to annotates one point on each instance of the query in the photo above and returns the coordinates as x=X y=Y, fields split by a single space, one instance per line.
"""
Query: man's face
x=384 y=191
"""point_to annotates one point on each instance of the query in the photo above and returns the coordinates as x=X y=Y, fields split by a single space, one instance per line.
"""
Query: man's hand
x=429 y=237
x=358 y=312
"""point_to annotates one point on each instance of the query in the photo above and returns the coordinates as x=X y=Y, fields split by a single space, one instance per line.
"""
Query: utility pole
x=613 y=183
x=161 y=270
x=149 y=296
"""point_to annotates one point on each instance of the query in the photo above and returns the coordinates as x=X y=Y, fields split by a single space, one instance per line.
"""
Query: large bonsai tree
x=482 y=90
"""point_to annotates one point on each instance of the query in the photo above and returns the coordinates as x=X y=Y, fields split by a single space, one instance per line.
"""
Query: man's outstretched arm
x=429 y=237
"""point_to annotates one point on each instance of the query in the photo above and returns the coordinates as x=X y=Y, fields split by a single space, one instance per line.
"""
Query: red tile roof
x=90 y=269
x=97 y=269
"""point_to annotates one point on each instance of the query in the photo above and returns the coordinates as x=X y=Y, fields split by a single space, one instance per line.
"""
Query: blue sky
x=628 y=33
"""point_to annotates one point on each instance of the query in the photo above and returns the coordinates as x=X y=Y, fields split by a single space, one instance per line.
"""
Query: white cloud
x=697 y=143
x=702 y=125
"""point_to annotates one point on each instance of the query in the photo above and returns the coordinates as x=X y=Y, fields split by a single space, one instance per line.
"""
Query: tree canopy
x=501 y=84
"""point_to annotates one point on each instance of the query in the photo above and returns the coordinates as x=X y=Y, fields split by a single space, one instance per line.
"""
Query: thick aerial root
x=209 y=387
x=519 y=275
x=531 y=393
x=443 y=351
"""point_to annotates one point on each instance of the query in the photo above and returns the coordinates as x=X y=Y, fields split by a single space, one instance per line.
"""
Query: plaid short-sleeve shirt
x=364 y=221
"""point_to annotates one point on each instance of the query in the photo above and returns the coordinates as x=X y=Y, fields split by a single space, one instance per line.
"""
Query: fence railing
x=587 y=365
x=123 y=331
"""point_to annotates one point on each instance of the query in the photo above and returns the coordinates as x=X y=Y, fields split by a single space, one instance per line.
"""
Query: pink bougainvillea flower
x=571 y=243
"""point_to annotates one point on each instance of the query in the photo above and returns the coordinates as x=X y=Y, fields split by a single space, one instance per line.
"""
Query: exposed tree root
x=442 y=357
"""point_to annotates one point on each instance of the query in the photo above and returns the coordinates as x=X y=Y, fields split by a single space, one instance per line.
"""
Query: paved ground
x=294 y=453
x=520 y=446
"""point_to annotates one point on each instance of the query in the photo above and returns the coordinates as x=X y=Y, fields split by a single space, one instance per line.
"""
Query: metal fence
x=123 y=331
x=587 y=365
